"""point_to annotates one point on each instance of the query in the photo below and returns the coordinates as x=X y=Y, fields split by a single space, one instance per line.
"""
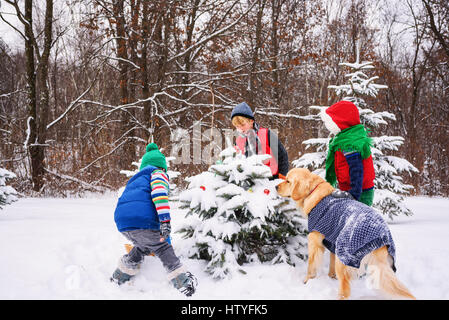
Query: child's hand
x=165 y=230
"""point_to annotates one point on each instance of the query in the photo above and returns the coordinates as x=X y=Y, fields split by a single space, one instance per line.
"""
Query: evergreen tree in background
x=235 y=216
x=7 y=193
x=388 y=184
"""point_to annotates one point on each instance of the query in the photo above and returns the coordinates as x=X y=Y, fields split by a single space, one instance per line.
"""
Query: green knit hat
x=153 y=157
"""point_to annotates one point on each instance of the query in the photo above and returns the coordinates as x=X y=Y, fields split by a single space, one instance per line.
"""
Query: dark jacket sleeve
x=354 y=160
x=281 y=155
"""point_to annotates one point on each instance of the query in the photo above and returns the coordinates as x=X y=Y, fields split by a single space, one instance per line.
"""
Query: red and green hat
x=343 y=114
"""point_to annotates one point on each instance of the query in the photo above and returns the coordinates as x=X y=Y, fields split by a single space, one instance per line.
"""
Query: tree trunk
x=438 y=35
x=144 y=65
x=255 y=57
x=128 y=151
x=44 y=92
x=276 y=8
x=36 y=164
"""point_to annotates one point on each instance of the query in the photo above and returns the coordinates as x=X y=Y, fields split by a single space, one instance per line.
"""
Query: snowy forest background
x=85 y=83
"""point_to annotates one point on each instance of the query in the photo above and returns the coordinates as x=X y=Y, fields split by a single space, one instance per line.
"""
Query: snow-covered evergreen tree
x=235 y=216
x=7 y=193
x=388 y=184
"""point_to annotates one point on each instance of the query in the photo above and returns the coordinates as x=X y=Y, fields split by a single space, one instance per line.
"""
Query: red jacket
x=262 y=134
x=344 y=169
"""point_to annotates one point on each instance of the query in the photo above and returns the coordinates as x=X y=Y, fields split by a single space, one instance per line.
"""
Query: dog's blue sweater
x=351 y=229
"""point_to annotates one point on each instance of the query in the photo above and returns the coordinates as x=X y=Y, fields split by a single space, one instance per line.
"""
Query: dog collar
x=315 y=188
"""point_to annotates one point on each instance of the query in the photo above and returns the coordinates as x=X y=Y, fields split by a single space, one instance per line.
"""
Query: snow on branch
x=72 y=105
x=28 y=132
x=83 y=183
x=276 y=114
x=6 y=95
x=123 y=60
x=357 y=65
x=388 y=142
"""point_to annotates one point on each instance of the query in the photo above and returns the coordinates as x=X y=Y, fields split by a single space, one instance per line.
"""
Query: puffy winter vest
x=135 y=208
x=263 y=135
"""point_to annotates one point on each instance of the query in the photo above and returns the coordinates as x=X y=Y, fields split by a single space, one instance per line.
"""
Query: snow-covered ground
x=68 y=248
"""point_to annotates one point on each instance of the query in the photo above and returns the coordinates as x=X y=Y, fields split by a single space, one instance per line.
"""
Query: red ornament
x=266 y=191
x=203 y=188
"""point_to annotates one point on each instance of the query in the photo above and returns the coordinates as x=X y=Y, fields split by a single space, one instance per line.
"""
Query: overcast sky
x=9 y=36
x=377 y=8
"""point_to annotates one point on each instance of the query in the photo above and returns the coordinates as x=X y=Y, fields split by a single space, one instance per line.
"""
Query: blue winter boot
x=125 y=271
x=185 y=282
x=120 y=277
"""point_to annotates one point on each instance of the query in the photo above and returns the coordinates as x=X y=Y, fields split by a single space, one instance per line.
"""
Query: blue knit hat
x=242 y=109
x=153 y=157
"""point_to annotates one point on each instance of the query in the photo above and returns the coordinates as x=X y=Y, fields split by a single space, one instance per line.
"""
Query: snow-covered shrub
x=235 y=216
x=7 y=193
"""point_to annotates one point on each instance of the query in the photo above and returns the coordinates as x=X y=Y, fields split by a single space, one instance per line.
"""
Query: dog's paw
x=332 y=275
x=308 y=277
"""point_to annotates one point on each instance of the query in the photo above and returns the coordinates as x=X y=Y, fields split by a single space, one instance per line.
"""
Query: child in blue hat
x=142 y=215
x=254 y=139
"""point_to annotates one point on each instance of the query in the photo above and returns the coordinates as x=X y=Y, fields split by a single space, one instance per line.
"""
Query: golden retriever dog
x=348 y=228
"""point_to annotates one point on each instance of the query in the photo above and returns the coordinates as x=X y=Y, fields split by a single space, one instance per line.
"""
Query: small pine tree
x=235 y=216
x=7 y=193
x=389 y=188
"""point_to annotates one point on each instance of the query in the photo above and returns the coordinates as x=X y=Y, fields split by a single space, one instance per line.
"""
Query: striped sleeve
x=159 y=194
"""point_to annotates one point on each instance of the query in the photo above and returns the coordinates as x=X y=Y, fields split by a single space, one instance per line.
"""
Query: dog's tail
x=384 y=277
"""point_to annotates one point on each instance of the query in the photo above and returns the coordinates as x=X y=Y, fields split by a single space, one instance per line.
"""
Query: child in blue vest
x=254 y=139
x=142 y=215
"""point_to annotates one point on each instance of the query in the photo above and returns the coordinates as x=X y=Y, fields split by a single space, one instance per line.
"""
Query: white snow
x=68 y=248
